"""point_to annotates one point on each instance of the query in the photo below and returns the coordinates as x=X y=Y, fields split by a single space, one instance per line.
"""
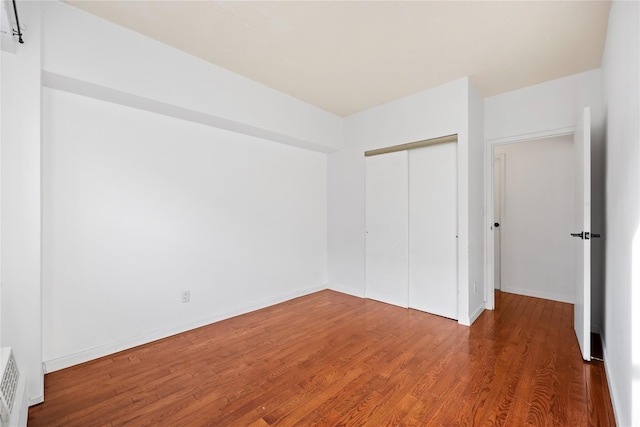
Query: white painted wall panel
x=138 y=206
x=433 y=223
x=387 y=243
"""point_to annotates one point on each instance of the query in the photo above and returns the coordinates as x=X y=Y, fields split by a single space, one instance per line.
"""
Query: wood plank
x=332 y=359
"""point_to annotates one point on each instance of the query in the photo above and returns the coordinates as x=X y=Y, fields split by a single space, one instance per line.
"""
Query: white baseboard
x=468 y=320
x=612 y=389
x=464 y=321
x=346 y=290
x=537 y=294
x=36 y=399
x=474 y=316
x=105 y=350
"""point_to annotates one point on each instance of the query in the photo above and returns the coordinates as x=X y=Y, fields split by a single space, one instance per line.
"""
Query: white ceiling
x=345 y=57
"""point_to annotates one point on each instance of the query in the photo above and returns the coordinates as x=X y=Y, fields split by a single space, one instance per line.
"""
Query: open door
x=582 y=307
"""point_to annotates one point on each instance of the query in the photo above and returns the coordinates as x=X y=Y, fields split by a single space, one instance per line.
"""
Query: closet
x=411 y=226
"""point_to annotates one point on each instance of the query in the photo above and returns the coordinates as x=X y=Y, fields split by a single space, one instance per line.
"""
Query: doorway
x=579 y=229
x=533 y=185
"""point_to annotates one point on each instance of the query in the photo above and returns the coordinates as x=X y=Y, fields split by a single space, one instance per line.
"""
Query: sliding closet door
x=387 y=222
x=433 y=218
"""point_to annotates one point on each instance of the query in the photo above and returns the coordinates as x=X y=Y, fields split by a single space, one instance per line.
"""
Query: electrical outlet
x=475 y=287
x=186 y=295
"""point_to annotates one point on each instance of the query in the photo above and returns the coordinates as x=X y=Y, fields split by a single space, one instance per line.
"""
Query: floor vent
x=13 y=402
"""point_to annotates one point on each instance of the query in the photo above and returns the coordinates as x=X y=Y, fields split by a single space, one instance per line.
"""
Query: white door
x=582 y=307
x=433 y=224
x=387 y=228
x=498 y=199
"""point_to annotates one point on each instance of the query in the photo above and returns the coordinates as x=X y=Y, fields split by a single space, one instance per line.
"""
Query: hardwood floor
x=330 y=359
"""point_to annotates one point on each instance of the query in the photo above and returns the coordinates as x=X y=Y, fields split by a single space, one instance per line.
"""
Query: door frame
x=502 y=157
x=490 y=145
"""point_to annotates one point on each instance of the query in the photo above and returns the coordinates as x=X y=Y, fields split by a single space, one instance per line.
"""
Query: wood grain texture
x=330 y=359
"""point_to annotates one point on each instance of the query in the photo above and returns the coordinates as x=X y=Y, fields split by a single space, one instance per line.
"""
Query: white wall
x=138 y=206
x=553 y=108
x=622 y=293
x=437 y=112
x=20 y=214
x=86 y=56
x=552 y=105
x=476 y=217
x=538 y=254
x=83 y=55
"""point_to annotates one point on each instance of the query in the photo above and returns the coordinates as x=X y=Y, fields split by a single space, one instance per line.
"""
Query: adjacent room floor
x=331 y=359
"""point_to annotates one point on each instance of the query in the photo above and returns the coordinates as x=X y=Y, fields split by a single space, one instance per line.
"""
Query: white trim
x=35 y=400
x=474 y=316
x=105 y=350
x=468 y=320
x=532 y=136
x=464 y=321
x=489 y=287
